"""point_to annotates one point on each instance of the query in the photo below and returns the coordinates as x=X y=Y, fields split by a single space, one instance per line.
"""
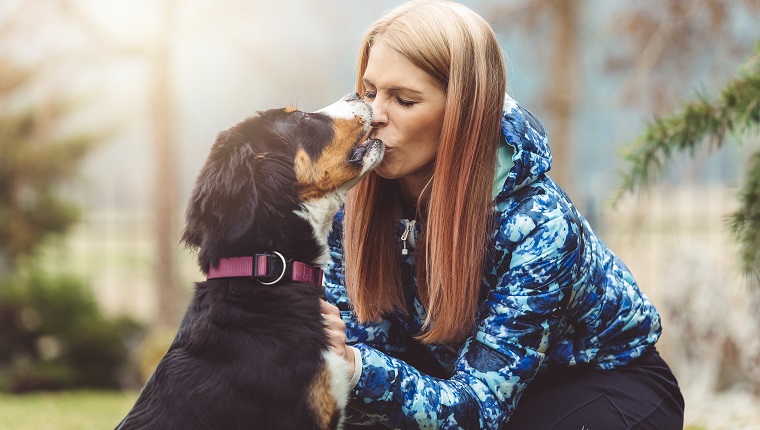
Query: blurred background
x=108 y=109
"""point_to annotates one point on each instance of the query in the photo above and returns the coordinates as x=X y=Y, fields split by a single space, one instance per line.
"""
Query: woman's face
x=407 y=113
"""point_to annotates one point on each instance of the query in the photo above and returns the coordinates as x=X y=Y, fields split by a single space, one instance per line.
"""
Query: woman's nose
x=379 y=116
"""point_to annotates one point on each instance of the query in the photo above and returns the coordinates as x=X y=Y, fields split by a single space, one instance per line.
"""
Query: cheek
x=430 y=120
x=426 y=137
x=425 y=153
x=418 y=128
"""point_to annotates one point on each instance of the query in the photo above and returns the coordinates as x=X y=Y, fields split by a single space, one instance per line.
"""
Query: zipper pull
x=405 y=236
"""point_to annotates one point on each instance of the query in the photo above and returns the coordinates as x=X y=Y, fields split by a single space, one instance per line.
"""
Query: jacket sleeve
x=536 y=255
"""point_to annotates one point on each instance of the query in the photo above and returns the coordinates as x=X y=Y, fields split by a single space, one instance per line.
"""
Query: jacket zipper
x=405 y=236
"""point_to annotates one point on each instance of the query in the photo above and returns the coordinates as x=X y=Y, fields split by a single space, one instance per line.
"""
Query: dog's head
x=264 y=174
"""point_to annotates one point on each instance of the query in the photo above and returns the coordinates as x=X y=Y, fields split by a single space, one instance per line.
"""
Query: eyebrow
x=393 y=88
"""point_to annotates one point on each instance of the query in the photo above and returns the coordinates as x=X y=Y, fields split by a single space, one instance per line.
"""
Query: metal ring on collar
x=284 y=268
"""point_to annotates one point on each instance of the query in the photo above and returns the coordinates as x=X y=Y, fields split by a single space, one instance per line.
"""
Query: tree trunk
x=561 y=92
x=165 y=176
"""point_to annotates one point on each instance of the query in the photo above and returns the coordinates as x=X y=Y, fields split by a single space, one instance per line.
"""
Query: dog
x=251 y=351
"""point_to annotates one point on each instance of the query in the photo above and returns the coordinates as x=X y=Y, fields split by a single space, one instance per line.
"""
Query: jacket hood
x=523 y=153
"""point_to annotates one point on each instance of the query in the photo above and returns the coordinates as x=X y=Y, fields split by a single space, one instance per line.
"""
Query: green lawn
x=78 y=410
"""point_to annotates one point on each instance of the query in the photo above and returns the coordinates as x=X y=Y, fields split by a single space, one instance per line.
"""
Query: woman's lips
x=373 y=135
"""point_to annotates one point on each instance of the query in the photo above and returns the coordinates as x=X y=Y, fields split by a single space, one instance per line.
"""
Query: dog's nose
x=351 y=97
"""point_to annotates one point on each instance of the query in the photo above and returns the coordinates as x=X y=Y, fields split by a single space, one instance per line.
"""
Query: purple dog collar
x=267 y=269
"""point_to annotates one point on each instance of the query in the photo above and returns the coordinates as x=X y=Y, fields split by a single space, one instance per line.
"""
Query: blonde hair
x=458 y=48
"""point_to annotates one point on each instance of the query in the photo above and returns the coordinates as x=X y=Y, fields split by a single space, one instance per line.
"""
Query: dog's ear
x=223 y=186
x=235 y=188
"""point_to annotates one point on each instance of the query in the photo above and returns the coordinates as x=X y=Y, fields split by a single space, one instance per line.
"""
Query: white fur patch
x=339 y=380
x=320 y=213
x=348 y=110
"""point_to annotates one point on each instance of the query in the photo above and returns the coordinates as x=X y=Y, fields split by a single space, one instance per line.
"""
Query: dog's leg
x=329 y=392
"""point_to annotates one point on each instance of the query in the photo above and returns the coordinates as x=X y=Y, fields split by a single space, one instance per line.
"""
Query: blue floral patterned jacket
x=553 y=295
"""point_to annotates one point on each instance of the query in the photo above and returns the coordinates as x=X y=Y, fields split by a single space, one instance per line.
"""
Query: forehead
x=389 y=69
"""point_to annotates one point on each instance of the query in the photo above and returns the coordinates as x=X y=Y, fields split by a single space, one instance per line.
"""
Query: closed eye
x=403 y=102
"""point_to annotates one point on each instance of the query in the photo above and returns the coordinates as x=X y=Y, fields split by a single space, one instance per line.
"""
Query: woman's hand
x=336 y=334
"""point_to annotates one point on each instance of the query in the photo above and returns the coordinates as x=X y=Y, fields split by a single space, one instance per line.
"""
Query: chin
x=387 y=173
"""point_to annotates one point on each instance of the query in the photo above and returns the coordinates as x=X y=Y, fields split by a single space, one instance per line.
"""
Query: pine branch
x=745 y=222
x=737 y=111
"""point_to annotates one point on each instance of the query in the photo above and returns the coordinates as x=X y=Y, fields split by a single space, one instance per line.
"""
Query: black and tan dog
x=251 y=351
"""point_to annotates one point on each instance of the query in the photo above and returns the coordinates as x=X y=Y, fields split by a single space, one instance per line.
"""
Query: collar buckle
x=264 y=268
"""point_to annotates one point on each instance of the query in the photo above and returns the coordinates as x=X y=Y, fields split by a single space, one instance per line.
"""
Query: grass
x=80 y=410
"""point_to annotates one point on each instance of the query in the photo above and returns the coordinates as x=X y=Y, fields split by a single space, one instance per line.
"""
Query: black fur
x=245 y=353
x=245 y=195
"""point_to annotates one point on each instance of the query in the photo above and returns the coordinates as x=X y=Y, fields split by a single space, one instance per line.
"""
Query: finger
x=329 y=309
x=331 y=316
x=336 y=340
x=334 y=322
x=335 y=328
x=324 y=320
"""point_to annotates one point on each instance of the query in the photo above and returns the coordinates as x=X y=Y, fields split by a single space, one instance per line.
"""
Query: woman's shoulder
x=541 y=201
x=536 y=210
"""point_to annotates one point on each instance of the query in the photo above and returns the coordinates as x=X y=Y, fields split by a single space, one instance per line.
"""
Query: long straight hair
x=458 y=48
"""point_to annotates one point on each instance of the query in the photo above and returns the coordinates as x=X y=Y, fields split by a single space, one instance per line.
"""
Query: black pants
x=642 y=395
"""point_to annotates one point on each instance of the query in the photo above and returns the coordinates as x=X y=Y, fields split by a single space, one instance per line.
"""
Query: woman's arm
x=536 y=259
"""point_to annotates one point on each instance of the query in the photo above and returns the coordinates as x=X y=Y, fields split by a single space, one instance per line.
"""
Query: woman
x=466 y=296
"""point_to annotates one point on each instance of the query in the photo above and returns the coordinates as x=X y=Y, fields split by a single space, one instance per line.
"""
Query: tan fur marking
x=305 y=173
x=330 y=170
x=290 y=109
x=321 y=398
